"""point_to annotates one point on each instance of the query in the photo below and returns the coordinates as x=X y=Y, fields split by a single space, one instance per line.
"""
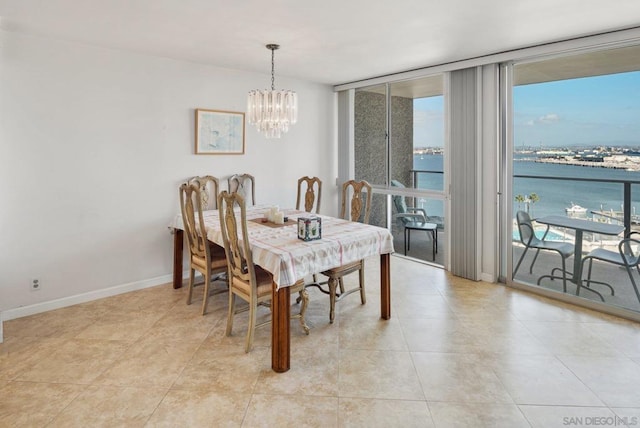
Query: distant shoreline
x=619 y=162
x=606 y=163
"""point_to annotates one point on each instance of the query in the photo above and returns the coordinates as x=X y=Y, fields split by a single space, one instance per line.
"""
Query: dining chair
x=204 y=256
x=209 y=187
x=529 y=239
x=311 y=186
x=245 y=185
x=356 y=206
x=250 y=282
x=627 y=256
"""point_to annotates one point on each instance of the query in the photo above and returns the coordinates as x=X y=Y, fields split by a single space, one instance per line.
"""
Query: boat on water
x=575 y=209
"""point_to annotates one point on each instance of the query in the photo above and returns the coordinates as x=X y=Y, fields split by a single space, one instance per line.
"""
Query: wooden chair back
x=312 y=194
x=233 y=224
x=356 y=200
x=245 y=185
x=209 y=187
x=194 y=227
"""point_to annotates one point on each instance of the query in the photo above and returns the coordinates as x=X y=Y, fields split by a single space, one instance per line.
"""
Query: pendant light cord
x=273 y=66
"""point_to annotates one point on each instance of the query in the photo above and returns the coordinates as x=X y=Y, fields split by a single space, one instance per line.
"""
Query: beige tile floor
x=455 y=353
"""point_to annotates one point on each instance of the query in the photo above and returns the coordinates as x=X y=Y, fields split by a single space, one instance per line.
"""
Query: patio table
x=580 y=226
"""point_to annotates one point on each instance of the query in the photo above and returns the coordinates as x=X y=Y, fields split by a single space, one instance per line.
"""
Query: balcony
x=421 y=244
x=619 y=195
x=421 y=247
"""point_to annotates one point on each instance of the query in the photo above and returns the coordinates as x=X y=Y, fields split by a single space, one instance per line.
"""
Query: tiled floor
x=455 y=353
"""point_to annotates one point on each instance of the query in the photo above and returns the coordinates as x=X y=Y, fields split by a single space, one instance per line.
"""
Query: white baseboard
x=487 y=277
x=37 y=308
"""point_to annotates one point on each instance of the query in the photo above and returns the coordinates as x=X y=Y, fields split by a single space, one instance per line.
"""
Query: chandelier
x=272 y=111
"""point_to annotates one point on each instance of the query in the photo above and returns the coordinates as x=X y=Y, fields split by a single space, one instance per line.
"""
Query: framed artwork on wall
x=219 y=132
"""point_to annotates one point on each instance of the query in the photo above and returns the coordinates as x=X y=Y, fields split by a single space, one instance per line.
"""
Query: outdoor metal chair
x=627 y=256
x=529 y=239
x=411 y=218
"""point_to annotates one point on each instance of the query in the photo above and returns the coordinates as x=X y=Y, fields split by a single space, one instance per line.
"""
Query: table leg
x=280 y=337
x=434 y=243
x=385 y=286
x=178 y=243
x=406 y=232
x=577 y=259
x=435 y=233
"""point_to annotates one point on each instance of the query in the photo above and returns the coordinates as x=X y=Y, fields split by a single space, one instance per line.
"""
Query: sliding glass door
x=576 y=154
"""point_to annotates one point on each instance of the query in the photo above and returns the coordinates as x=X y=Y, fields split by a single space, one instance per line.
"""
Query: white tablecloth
x=279 y=251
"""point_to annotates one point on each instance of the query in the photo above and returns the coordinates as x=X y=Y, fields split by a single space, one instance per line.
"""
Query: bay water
x=554 y=195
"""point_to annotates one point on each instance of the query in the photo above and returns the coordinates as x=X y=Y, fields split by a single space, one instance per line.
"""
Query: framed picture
x=219 y=132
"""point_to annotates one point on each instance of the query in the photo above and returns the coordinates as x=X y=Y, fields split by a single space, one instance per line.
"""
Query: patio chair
x=405 y=212
x=204 y=256
x=627 y=256
x=250 y=282
x=529 y=239
x=411 y=218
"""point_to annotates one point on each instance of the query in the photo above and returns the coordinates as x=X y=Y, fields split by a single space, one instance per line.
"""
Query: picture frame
x=219 y=132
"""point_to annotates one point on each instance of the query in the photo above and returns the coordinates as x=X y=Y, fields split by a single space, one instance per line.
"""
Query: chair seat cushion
x=217 y=263
x=264 y=282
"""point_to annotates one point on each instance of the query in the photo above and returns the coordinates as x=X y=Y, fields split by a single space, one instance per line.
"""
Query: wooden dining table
x=277 y=249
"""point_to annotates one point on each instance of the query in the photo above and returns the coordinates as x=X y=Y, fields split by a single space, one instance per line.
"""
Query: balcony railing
x=626 y=203
x=416 y=173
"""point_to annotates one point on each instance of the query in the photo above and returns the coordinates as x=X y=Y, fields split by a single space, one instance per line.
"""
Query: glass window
x=399 y=144
x=576 y=155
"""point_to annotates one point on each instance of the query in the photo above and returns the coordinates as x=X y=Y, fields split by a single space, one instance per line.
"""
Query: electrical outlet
x=36 y=284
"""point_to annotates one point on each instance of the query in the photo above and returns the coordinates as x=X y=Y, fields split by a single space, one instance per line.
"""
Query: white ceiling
x=325 y=41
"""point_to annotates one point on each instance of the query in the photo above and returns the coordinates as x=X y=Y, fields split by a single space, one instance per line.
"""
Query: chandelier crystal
x=271 y=111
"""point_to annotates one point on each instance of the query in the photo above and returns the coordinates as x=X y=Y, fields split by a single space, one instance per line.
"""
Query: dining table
x=580 y=226
x=277 y=248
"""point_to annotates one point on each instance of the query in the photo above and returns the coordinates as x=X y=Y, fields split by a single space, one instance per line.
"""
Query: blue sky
x=591 y=111
x=601 y=110
x=428 y=122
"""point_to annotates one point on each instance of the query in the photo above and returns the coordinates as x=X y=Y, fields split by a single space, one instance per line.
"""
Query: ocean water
x=555 y=195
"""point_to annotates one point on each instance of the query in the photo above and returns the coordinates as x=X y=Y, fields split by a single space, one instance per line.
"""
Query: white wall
x=93 y=145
